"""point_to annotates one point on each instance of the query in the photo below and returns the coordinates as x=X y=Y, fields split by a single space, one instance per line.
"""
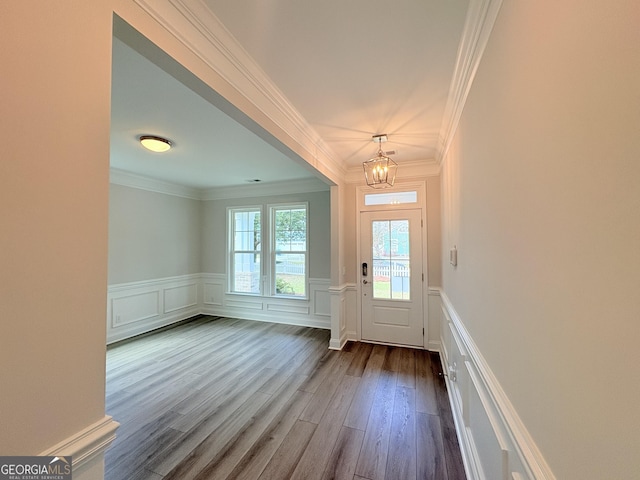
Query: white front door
x=391 y=276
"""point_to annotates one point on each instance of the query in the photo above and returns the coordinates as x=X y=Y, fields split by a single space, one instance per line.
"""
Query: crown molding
x=128 y=179
x=133 y=180
x=265 y=189
x=408 y=170
x=193 y=24
x=481 y=17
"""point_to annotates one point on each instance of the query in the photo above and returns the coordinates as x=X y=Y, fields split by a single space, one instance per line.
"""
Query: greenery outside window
x=289 y=250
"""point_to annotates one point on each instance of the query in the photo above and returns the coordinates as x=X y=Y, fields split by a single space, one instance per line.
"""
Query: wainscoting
x=139 y=307
x=495 y=444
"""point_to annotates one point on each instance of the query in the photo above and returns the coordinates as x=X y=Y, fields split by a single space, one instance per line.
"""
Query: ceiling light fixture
x=155 y=144
x=380 y=171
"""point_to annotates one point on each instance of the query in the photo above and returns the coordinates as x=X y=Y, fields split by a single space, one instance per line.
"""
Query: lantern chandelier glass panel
x=380 y=171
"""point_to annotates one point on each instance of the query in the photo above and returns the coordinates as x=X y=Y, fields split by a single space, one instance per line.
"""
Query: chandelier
x=380 y=171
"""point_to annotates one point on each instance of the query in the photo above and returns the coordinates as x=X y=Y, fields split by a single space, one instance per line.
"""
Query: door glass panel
x=391 y=256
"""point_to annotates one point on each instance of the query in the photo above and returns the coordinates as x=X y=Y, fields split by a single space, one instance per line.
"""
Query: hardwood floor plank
x=326 y=390
x=131 y=451
x=425 y=392
x=256 y=459
x=286 y=458
x=197 y=459
x=358 y=414
x=360 y=359
x=314 y=348
x=217 y=397
x=320 y=372
x=392 y=360
x=315 y=457
x=342 y=463
x=452 y=455
x=373 y=458
x=407 y=368
x=401 y=460
x=204 y=424
x=442 y=396
x=431 y=464
x=277 y=378
x=222 y=461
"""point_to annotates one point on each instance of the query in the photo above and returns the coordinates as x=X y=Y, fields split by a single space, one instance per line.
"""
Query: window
x=286 y=247
x=246 y=247
x=391 y=259
x=395 y=198
x=289 y=250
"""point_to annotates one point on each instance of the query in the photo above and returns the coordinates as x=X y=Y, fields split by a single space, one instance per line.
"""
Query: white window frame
x=272 y=208
x=231 y=230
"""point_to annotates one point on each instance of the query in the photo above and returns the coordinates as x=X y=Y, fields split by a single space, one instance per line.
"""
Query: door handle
x=365 y=282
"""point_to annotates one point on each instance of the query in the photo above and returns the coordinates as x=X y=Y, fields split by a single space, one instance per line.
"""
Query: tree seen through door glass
x=390 y=254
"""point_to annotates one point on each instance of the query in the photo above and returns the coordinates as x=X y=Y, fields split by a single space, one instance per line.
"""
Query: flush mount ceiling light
x=155 y=144
x=380 y=171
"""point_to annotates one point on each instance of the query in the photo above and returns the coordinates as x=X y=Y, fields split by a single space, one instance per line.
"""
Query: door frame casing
x=420 y=187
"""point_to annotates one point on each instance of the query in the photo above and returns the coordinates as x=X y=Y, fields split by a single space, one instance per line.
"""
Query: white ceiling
x=352 y=68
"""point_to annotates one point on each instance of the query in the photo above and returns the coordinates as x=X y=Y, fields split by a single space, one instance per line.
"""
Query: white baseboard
x=138 y=307
x=87 y=448
x=495 y=444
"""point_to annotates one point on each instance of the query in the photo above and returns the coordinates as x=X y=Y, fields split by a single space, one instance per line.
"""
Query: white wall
x=152 y=235
x=541 y=197
x=54 y=179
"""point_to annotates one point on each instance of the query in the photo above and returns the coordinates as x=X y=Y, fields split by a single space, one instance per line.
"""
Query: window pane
x=290 y=274
x=290 y=231
x=283 y=241
x=381 y=278
x=390 y=198
x=246 y=272
x=243 y=241
x=390 y=253
x=246 y=245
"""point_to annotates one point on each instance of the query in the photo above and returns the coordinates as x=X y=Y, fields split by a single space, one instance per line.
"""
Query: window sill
x=272 y=297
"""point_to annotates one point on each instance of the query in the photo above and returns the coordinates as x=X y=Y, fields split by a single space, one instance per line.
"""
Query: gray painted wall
x=152 y=235
x=155 y=235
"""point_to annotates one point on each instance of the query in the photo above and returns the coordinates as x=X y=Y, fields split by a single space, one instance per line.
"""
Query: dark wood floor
x=221 y=398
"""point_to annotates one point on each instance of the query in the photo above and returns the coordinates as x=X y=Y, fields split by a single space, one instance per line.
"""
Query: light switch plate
x=453 y=256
